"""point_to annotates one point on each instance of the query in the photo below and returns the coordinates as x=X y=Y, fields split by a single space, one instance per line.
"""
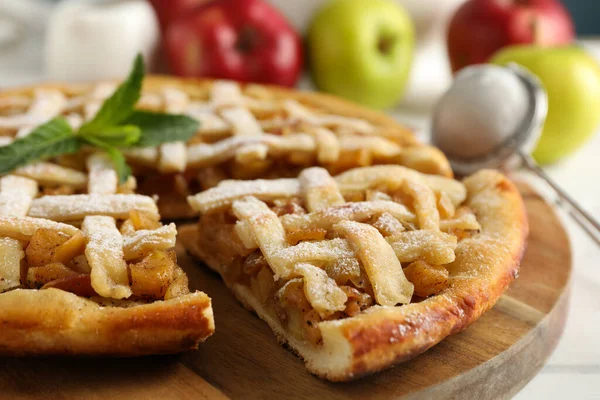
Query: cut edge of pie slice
x=484 y=262
x=103 y=282
x=56 y=322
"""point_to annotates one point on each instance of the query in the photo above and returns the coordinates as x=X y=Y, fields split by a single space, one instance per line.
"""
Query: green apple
x=571 y=78
x=362 y=50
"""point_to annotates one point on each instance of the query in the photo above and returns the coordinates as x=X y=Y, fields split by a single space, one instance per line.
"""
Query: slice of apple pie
x=246 y=132
x=91 y=273
x=367 y=269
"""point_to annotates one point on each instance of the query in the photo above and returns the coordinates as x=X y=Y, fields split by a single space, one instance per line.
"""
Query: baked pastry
x=246 y=132
x=367 y=269
x=91 y=273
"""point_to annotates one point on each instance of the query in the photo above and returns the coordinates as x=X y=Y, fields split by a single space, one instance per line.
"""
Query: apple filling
x=330 y=262
x=55 y=259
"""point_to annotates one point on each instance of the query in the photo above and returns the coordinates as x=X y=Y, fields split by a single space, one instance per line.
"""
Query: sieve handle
x=582 y=217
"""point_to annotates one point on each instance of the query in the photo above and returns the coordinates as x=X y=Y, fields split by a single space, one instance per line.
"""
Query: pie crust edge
x=56 y=322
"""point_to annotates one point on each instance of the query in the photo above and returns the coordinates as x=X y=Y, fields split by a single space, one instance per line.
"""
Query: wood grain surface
x=493 y=359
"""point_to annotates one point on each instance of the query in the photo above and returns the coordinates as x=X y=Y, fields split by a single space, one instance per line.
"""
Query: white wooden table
x=574 y=370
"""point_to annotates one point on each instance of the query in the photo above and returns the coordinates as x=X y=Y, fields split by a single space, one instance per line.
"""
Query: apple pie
x=92 y=272
x=246 y=132
x=365 y=269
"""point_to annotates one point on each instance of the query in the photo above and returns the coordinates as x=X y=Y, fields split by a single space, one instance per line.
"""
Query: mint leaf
x=121 y=167
x=160 y=128
x=120 y=105
x=51 y=139
x=123 y=170
x=118 y=136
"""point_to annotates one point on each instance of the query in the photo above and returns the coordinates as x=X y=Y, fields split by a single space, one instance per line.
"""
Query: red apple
x=244 y=40
x=481 y=27
x=168 y=10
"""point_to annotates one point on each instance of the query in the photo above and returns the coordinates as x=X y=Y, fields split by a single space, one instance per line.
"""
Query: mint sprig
x=52 y=139
x=120 y=105
x=159 y=128
x=120 y=136
x=116 y=125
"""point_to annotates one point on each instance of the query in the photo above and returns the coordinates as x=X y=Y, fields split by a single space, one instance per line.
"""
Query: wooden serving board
x=493 y=359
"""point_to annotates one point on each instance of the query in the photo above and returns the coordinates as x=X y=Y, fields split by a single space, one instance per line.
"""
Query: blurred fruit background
x=396 y=55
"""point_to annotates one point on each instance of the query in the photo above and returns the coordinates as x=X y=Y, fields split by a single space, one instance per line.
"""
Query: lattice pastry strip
x=228 y=191
x=249 y=153
x=173 y=155
x=46 y=105
x=328 y=146
x=242 y=122
x=76 y=207
x=392 y=176
x=74 y=120
x=104 y=253
x=318 y=143
x=424 y=203
x=319 y=190
x=356 y=211
x=436 y=248
x=357 y=180
x=49 y=174
x=266 y=230
x=374 y=146
x=226 y=93
x=320 y=252
x=380 y=262
x=103 y=179
x=297 y=111
x=204 y=155
x=16 y=194
x=466 y=221
x=15 y=101
x=145 y=156
x=23 y=228
x=104 y=249
x=323 y=294
x=138 y=243
x=10 y=263
x=222 y=94
x=210 y=123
